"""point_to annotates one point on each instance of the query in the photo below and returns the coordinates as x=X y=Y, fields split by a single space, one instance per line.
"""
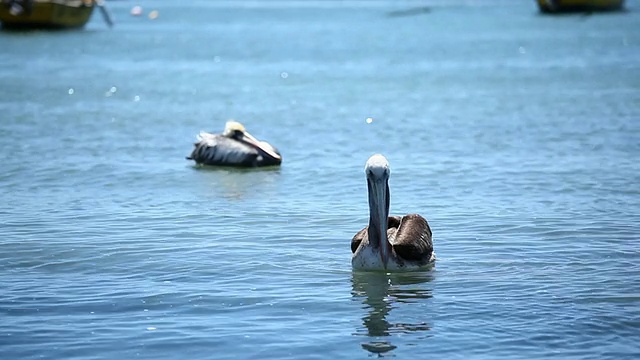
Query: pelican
x=389 y=242
x=234 y=147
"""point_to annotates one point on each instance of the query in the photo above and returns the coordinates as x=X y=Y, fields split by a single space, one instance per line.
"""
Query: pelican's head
x=377 y=167
x=233 y=129
x=236 y=130
x=377 y=171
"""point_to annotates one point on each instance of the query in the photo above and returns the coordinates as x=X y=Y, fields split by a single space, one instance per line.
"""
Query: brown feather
x=413 y=240
x=358 y=238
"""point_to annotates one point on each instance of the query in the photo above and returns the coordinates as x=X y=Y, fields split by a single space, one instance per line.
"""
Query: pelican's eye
x=238 y=133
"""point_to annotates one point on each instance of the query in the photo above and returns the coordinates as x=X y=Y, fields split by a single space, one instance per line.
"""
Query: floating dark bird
x=389 y=242
x=234 y=147
x=409 y=12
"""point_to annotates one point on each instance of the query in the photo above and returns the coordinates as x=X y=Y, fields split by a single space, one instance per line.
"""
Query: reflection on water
x=382 y=292
x=235 y=183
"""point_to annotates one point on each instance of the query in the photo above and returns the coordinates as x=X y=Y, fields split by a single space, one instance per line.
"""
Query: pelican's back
x=214 y=149
x=410 y=237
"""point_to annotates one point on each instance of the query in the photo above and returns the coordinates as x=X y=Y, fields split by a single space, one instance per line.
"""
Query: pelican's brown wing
x=413 y=239
x=358 y=238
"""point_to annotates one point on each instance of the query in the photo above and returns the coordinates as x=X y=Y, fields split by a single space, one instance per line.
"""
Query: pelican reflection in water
x=389 y=243
x=234 y=147
x=379 y=293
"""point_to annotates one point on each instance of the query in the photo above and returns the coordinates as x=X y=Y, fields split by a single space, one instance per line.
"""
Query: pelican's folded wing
x=413 y=240
x=214 y=149
x=358 y=238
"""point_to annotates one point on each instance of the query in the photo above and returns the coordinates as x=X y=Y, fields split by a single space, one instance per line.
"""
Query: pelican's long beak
x=249 y=139
x=379 y=216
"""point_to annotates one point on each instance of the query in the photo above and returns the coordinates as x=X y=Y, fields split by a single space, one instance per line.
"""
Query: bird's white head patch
x=377 y=167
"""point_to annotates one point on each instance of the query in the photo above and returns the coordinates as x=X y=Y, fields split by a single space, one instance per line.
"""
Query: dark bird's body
x=409 y=237
x=234 y=147
x=389 y=242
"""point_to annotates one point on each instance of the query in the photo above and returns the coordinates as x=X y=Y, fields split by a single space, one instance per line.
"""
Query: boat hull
x=45 y=13
x=563 y=6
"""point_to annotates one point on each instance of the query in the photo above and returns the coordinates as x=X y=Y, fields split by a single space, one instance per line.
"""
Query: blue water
x=516 y=135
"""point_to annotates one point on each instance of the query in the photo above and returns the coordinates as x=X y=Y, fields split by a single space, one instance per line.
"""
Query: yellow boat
x=47 y=13
x=559 y=6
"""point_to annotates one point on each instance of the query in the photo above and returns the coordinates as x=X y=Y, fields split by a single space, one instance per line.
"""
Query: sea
x=515 y=134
